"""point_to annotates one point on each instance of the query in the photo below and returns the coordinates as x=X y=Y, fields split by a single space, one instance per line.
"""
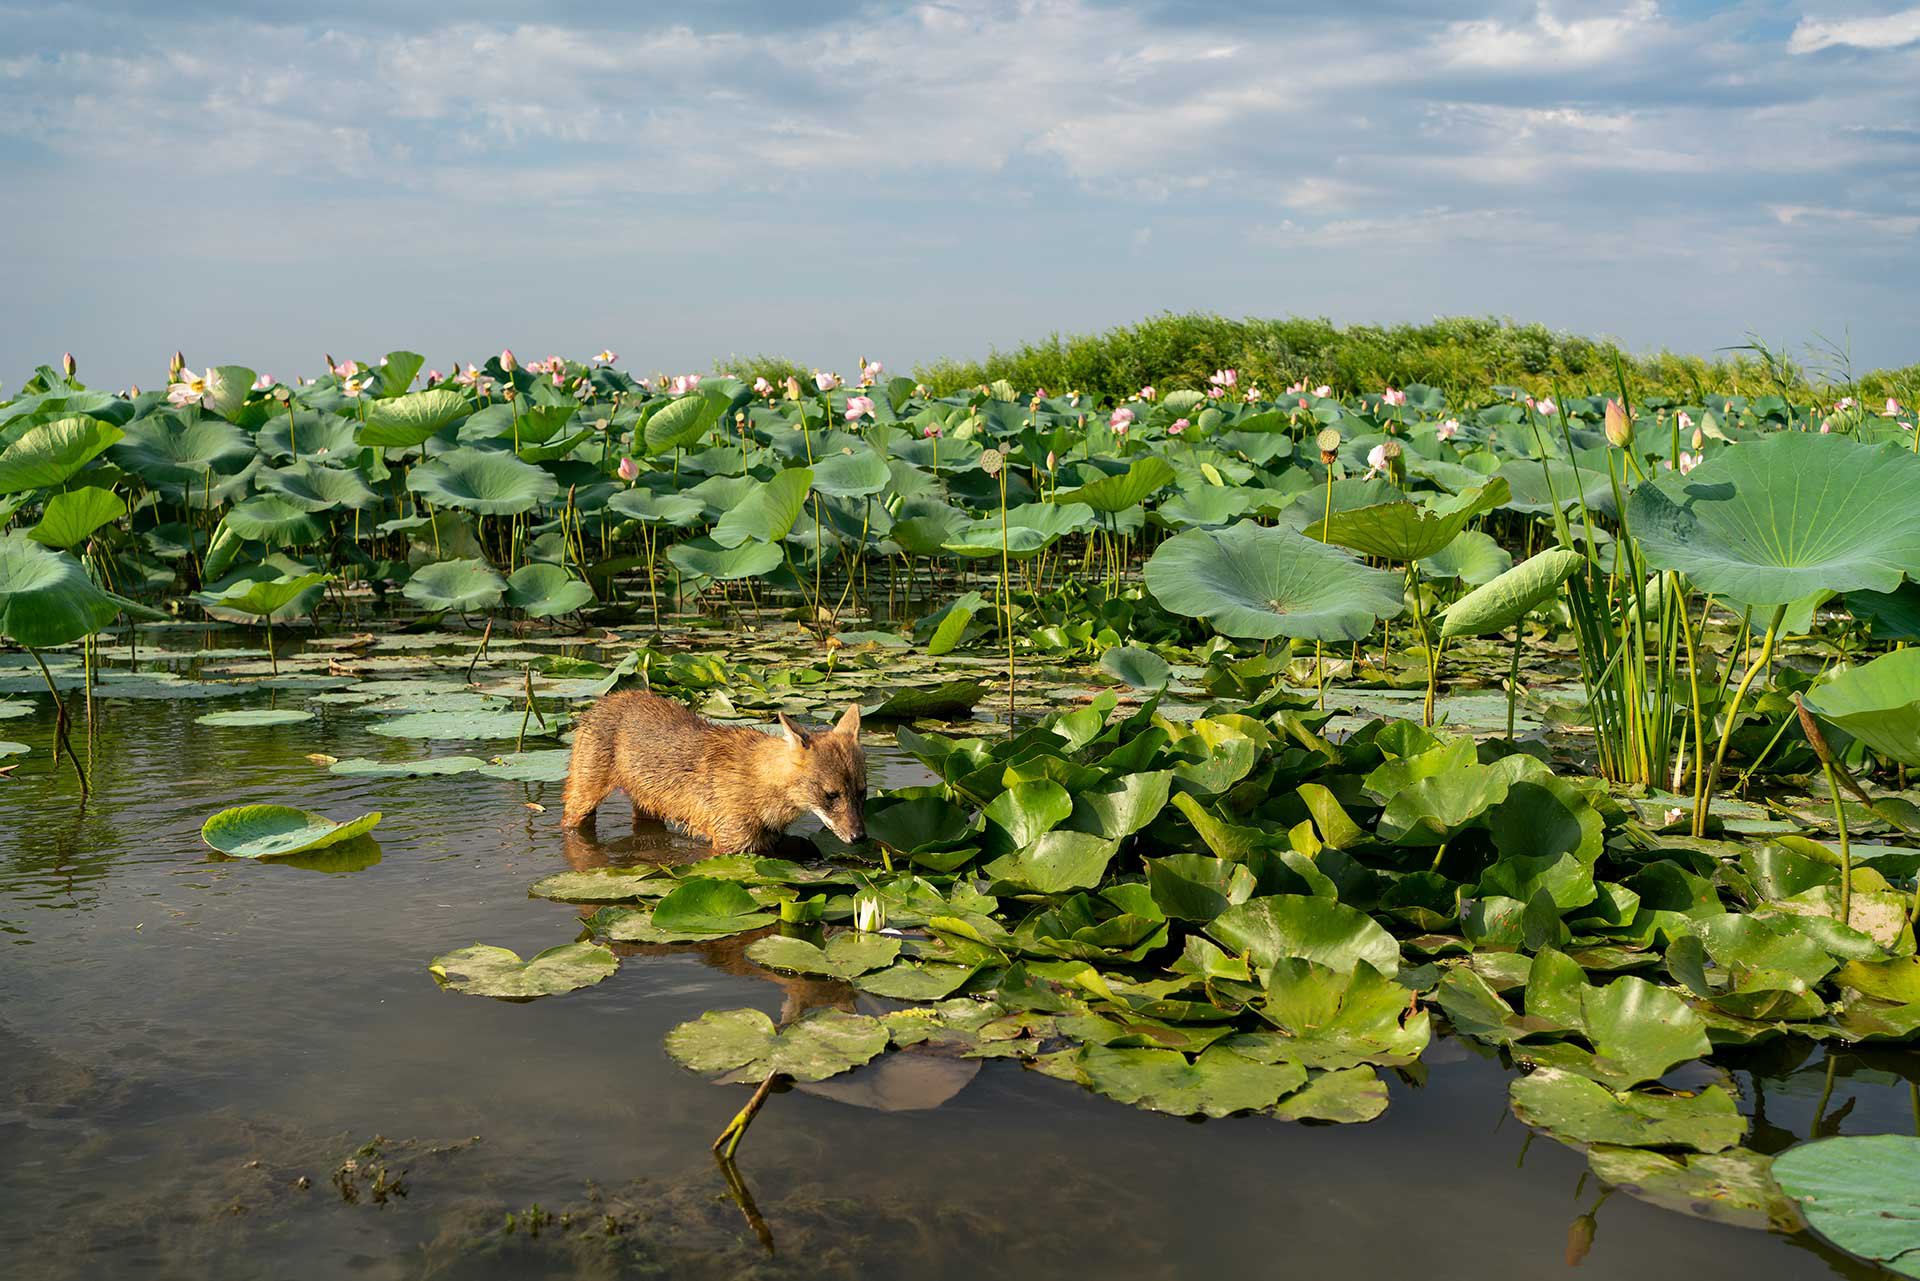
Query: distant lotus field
x=1269 y=734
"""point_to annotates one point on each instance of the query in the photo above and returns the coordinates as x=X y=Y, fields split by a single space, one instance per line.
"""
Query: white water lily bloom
x=869 y=913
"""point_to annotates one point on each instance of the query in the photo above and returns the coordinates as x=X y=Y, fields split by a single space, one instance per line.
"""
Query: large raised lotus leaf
x=316 y=487
x=1405 y=531
x=704 y=558
x=982 y=538
x=649 y=508
x=1578 y=1110
x=275 y=831
x=1773 y=520
x=266 y=589
x=1860 y=1192
x=405 y=421
x=70 y=518
x=768 y=512
x=1734 y=1187
x=1535 y=489
x=52 y=453
x=859 y=474
x=1334 y=934
x=1217 y=1083
x=679 y=423
x=1257 y=582
x=1499 y=604
x=540 y=590
x=845 y=955
x=481 y=970
x=1877 y=702
x=166 y=449
x=456 y=584
x=1114 y=494
x=1138 y=667
x=745 y=1045
x=1473 y=558
x=275 y=521
x=490 y=483
x=1328 y=1019
x=46 y=597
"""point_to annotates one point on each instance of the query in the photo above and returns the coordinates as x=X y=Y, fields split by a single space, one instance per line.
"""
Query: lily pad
x=1348 y=1096
x=1578 y=1110
x=274 y=831
x=256 y=717
x=1734 y=1187
x=744 y=1045
x=1860 y=1192
x=481 y=970
x=1217 y=1083
x=845 y=955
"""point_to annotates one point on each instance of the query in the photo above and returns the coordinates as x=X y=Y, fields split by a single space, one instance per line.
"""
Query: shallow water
x=183 y=1039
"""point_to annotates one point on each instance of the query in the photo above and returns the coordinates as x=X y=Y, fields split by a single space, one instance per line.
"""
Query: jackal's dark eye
x=833 y=798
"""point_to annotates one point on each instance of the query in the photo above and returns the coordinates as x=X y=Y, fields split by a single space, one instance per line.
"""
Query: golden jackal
x=735 y=786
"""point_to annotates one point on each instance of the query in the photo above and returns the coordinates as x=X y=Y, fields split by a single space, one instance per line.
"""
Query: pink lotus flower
x=559 y=379
x=931 y=431
x=1297 y=387
x=1393 y=396
x=761 y=387
x=1252 y=395
x=1685 y=420
x=629 y=470
x=1224 y=378
x=1148 y=393
x=1215 y=393
x=1546 y=407
x=435 y=377
x=684 y=383
x=1177 y=426
x=263 y=382
x=353 y=388
x=646 y=384
x=1844 y=403
x=507 y=362
x=1303 y=402
x=1688 y=462
x=1826 y=426
x=870 y=372
x=1121 y=419
x=920 y=389
x=859 y=407
x=1377 y=460
x=1449 y=429
x=606 y=357
x=1893 y=406
x=825 y=382
x=1323 y=391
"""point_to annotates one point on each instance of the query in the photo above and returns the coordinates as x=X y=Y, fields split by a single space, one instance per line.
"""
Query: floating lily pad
x=1734 y=1187
x=454 y=725
x=275 y=831
x=361 y=767
x=1577 y=1110
x=1217 y=1083
x=603 y=885
x=845 y=955
x=744 y=1045
x=482 y=970
x=546 y=766
x=1348 y=1096
x=1860 y=1192
x=255 y=717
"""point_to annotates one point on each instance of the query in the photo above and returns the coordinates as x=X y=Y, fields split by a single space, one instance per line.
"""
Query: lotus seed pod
x=991 y=461
x=1619 y=426
x=1329 y=442
x=1391 y=449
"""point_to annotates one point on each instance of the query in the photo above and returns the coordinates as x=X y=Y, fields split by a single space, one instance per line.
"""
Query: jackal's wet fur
x=735 y=786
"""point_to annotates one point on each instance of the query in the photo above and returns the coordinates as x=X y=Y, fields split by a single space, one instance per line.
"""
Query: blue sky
x=261 y=183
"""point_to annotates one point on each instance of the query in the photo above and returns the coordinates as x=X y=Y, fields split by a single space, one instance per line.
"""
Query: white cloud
x=1883 y=31
x=1546 y=43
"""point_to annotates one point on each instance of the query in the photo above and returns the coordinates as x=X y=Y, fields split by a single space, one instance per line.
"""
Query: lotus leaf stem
x=1733 y=718
x=60 y=720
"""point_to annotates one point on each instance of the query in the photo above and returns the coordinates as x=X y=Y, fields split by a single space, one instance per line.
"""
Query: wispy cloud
x=950 y=174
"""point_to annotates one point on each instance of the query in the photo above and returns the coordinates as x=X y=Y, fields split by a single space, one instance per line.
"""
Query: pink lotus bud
x=859 y=407
x=68 y=366
x=1177 y=426
x=1685 y=420
x=1393 y=396
x=1052 y=462
x=1893 y=406
x=507 y=362
x=825 y=382
x=1121 y=419
x=629 y=470
x=1619 y=427
x=931 y=431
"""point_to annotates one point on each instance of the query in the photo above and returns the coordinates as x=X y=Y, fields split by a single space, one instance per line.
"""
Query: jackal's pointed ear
x=791 y=731
x=849 y=722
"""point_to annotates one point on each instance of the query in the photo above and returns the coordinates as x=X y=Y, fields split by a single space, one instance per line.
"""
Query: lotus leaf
x=404 y=421
x=52 y=453
x=544 y=591
x=275 y=831
x=71 y=518
x=492 y=484
x=1403 y=531
x=1877 y=702
x=1499 y=604
x=46 y=597
x=1776 y=519
x=1257 y=582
